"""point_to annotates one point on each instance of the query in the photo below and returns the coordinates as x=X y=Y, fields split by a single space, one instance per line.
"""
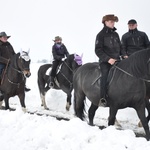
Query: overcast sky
x=34 y=23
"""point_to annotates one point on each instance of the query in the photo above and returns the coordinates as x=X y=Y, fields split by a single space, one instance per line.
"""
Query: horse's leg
x=79 y=105
x=68 y=101
x=148 y=110
x=6 y=100
x=91 y=113
x=112 y=115
x=22 y=101
x=1 y=100
x=43 y=100
x=141 y=113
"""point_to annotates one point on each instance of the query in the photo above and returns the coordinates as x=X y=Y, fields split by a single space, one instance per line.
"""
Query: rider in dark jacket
x=134 y=40
x=108 y=49
x=6 y=52
x=59 y=51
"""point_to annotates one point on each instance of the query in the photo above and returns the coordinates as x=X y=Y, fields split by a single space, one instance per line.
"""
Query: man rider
x=108 y=50
x=6 y=52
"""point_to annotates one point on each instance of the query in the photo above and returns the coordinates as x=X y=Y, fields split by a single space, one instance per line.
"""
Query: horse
x=63 y=80
x=14 y=78
x=126 y=88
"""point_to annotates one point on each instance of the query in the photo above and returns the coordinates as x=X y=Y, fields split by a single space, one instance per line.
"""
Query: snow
x=24 y=131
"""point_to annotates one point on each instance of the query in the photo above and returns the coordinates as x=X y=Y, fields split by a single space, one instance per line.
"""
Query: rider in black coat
x=134 y=40
x=6 y=52
x=108 y=49
x=59 y=51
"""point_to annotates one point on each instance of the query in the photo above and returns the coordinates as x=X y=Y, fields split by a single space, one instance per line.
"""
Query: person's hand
x=125 y=57
x=111 y=61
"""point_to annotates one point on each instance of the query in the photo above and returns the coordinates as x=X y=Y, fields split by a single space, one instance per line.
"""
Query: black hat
x=132 y=21
x=3 y=34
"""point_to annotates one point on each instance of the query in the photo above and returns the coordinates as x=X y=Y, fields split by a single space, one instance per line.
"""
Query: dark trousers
x=54 y=67
x=105 y=67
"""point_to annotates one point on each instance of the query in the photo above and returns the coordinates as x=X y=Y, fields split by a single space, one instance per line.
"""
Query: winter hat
x=132 y=21
x=3 y=34
x=110 y=17
x=57 y=38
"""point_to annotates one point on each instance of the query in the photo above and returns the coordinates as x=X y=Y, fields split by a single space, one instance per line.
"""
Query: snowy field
x=19 y=131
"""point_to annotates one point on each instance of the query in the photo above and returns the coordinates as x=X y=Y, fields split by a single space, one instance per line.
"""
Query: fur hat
x=110 y=17
x=3 y=34
x=57 y=38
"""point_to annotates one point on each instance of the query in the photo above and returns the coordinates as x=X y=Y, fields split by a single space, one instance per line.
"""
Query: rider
x=134 y=40
x=6 y=51
x=108 y=50
x=59 y=51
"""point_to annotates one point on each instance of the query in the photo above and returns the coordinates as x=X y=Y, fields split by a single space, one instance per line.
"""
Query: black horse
x=63 y=78
x=126 y=88
x=14 y=78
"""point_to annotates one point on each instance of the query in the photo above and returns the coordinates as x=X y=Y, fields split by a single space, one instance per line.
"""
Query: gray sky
x=34 y=23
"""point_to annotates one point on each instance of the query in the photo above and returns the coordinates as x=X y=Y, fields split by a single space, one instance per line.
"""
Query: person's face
x=132 y=26
x=110 y=23
x=3 y=39
x=58 y=41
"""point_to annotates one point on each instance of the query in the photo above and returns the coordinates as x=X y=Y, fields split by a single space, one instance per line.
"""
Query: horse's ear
x=28 y=51
x=81 y=55
x=21 y=51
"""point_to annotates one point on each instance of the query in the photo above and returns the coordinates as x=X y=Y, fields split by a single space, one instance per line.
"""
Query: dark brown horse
x=14 y=78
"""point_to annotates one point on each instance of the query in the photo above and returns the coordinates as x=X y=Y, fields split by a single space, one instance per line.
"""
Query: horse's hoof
x=46 y=108
x=91 y=124
x=140 y=124
x=24 y=109
x=12 y=109
x=68 y=107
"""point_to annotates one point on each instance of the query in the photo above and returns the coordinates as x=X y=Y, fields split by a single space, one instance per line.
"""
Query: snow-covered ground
x=19 y=131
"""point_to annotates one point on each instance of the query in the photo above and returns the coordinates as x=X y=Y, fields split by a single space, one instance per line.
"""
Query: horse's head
x=24 y=63
x=75 y=61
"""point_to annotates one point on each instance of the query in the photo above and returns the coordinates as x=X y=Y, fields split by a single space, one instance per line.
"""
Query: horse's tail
x=42 y=78
x=79 y=106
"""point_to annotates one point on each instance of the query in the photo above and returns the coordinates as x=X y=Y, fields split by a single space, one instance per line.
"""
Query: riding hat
x=57 y=38
x=132 y=21
x=110 y=17
x=3 y=34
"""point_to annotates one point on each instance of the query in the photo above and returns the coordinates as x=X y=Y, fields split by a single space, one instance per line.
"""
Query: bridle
x=18 y=71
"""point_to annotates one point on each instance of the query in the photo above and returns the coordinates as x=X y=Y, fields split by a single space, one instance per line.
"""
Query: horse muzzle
x=27 y=73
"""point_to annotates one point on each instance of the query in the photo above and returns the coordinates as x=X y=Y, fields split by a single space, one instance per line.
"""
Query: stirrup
x=102 y=102
x=51 y=84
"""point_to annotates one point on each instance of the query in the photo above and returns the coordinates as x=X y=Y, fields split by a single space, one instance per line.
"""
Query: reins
x=64 y=74
x=16 y=83
x=130 y=74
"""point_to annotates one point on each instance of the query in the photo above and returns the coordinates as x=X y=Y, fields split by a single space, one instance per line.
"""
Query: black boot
x=27 y=89
x=102 y=101
x=51 y=83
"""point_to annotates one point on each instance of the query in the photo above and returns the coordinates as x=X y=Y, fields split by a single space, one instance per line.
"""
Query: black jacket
x=59 y=52
x=108 y=44
x=134 y=40
x=6 y=52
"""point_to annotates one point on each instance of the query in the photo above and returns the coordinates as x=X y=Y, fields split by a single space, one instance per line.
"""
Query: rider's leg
x=53 y=73
x=105 y=67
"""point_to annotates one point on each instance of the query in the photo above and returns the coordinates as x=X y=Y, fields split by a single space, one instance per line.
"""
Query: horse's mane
x=137 y=63
x=14 y=59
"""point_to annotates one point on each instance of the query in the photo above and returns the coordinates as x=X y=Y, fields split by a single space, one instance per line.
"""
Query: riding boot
x=102 y=101
x=27 y=89
x=51 y=84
